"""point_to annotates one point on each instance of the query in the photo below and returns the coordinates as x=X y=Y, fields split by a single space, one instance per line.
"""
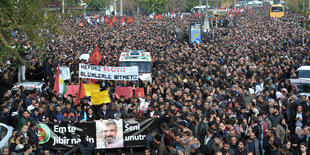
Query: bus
x=277 y=11
x=138 y=58
x=201 y=8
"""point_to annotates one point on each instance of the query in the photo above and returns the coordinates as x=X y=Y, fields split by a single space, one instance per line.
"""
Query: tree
x=190 y=4
x=97 y=4
x=25 y=19
x=157 y=6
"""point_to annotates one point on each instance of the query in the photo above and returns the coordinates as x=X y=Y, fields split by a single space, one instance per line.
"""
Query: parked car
x=5 y=134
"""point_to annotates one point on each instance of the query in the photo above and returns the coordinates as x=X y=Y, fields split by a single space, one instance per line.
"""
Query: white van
x=29 y=86
x=304 y=72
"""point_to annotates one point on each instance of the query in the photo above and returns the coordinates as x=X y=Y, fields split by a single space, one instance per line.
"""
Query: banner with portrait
x=109 y=134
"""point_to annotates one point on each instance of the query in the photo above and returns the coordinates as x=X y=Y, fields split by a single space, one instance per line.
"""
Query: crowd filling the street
x=229 y=94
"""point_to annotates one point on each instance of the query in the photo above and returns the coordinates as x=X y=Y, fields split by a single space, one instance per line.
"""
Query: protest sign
x=72 y=89
x=65 y=71
x=139 y=92
x=89 y=88
x=123 y=91
x=102 y=133
x=97 y=98
x=64 y=136
x=108 y=73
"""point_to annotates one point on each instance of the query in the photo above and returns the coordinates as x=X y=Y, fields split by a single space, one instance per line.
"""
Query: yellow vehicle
x=277 y=11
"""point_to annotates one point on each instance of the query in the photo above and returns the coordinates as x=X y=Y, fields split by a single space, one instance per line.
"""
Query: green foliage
x=297 y=5
x=157 y=6
x=29 y=19
x=97 y=4
x=190 y=4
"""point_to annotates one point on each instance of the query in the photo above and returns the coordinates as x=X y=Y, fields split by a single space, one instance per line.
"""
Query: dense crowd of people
x=231 y=94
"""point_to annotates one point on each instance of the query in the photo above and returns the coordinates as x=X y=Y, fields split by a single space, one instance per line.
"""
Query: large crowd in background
x=231 y=94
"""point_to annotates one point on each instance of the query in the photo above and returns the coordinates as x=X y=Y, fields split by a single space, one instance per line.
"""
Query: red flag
x=95 y=56
x=123 y=19
x=95 y=17
x=251 y=11
x=111 y=24
x=139 y=93
x=86 y=22
x=129 y=20
x=81 y=24
x=160 y=17
x=81 y=93
x=235 y=10
x=156 y=17
x=196 y=14
x=56 y=84
x=114 y=19
x=172 y=15
x=107 y=20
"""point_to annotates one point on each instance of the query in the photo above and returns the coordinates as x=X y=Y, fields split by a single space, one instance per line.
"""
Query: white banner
x=108 y=72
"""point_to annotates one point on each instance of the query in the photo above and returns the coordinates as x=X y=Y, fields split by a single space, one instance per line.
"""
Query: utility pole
x=115 y=10
x=63 y=6
x=200 y=3
x=206 y=25
x=121 y=7
x=235 y=4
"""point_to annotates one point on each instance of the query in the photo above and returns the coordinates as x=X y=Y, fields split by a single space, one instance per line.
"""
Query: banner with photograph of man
x=109 y=134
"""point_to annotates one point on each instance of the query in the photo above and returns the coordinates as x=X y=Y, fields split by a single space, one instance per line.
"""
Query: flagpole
x=121 y=7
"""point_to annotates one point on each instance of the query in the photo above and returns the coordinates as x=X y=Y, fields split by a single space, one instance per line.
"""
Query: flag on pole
x=111 y=24
x=59 y=84
x=95 y=56
x=95 y=16
x=160 y=17
x=114 y=19
x=107 y=20
x=130 y=20
x=139 y=92
x=156 y=17
x=123 y=19
x=81 y=24
x=81 y=93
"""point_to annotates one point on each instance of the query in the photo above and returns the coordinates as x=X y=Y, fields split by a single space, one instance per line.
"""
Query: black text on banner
x=108 y=72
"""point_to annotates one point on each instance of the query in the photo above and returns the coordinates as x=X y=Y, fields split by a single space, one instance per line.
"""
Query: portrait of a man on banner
x=109 y=134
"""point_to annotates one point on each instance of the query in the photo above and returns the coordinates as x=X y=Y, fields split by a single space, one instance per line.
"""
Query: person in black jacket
x=5 y=84
x=84 y=147
x=48 y=70
x=14 y=117
x=104 y=113
x=33 y=135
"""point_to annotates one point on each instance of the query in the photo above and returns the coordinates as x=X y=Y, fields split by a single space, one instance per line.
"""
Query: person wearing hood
x=84 y=147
